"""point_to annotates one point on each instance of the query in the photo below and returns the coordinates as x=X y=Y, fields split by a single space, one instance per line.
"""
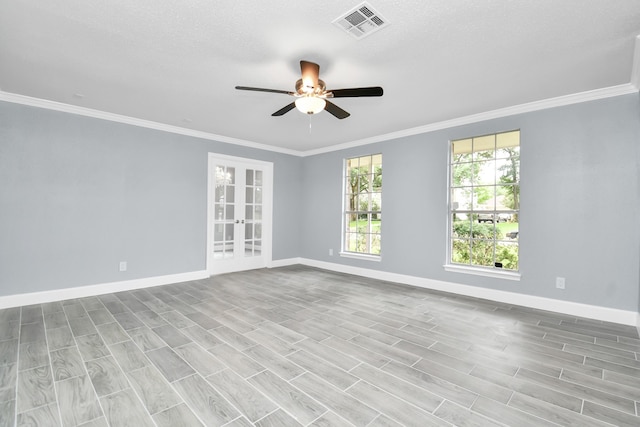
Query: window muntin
x=362 y=212
x=485 y=201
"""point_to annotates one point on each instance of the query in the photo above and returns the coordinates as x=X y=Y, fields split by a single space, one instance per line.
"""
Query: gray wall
x=580 y=203
x=78 y=195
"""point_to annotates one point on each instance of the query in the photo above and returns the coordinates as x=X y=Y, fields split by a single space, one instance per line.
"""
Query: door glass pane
x=218 y=232
x=249 y=195
x=258 y=195
x=219 y=197
x=248 y=212
x=258 y=213
x=258 y=180
x=248 y=231
x=219 y=212
x=231 y=176
x=229 y=232
x=231 y=193
x=230 y=212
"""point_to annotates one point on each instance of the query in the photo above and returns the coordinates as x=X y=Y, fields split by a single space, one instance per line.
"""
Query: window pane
x=507 y=254
x=483 y=198
x=249 y=177
x=462 y=174
x=507 y=140
x=461 y=150
x=376 y=202
x=375 y=244
x=461 y=198
x=484 y=147
x=460 y=225
x=482 y=253
x=507 y=197
x=461 y=251
x=485 y=173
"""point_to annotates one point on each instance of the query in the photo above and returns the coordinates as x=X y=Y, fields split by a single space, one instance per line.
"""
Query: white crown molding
x=544 y=104
x=19 y=300
x=565 y=307
x=97 y=114
x=576 y=98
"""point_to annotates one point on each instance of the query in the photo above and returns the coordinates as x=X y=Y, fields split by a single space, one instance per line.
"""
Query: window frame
x=358 y=212
x=471 y=209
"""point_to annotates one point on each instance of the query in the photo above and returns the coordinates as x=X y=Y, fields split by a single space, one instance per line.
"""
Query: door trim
x=267 y=205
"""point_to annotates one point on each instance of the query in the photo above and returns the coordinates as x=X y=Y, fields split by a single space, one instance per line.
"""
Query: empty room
x=302 y=213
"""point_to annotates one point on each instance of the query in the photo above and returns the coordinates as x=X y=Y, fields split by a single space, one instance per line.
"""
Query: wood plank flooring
x=298 y=346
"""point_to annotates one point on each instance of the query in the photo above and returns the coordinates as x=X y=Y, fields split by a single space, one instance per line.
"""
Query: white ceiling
x=177 y=62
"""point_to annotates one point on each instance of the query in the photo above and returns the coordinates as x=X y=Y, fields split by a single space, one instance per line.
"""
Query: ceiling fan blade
x=310 y=73
x=259 y=89
x=336 y=111
x=356 y=92
x=285 y=109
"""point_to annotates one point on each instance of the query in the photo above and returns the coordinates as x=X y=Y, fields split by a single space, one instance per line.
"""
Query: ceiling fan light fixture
x=310 y=104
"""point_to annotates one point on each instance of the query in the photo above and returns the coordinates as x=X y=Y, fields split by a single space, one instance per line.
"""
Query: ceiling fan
x=312 y=93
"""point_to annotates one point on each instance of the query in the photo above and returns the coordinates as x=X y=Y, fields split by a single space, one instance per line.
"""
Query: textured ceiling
x=177 y=62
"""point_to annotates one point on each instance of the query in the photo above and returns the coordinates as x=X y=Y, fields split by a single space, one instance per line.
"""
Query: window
x=362 y=209
x=485 y=201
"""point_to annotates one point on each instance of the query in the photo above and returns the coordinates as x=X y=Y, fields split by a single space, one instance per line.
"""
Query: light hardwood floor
x=298 y=346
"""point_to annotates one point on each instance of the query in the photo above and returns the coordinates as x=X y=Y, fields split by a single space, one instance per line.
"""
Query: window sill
x=507 y=275
x=365 y=257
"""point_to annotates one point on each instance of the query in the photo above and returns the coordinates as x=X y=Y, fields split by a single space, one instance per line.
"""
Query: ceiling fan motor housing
x=302 y=89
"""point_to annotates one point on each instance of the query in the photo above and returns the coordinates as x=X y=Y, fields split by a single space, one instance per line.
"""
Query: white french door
x=239 y=214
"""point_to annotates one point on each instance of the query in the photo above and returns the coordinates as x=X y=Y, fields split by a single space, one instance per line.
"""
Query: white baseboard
x=286 y=262
x=565 y=307
x=92 y=290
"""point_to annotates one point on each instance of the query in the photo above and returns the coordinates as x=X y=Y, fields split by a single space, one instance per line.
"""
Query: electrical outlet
x=123 y=265
x=330 y=252
x=560 y=282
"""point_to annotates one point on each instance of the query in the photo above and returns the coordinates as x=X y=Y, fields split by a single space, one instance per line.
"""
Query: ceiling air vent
x=361 y=21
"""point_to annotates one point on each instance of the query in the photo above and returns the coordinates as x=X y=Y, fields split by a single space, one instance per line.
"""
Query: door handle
x=239 y=221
